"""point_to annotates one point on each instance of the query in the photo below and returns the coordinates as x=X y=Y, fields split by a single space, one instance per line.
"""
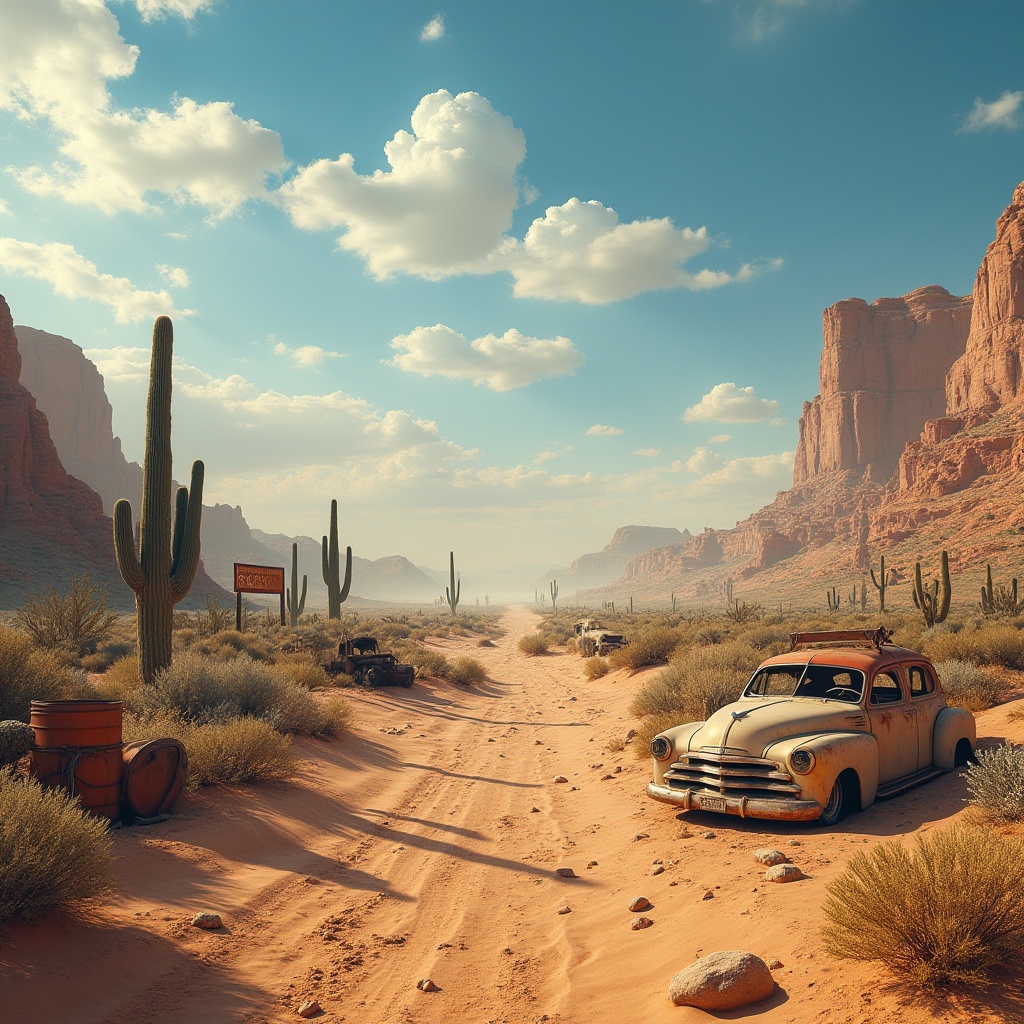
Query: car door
x=892 y=719
x=928 y=702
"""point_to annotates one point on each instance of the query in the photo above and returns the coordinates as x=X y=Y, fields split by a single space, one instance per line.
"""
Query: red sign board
x=258 y=579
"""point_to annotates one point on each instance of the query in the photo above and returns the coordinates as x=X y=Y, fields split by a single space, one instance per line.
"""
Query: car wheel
x=964 y=754
x=835 y=805
x=374 y=677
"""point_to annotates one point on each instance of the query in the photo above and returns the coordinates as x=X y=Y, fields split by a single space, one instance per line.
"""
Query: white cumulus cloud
x=73 y=276
x=1004 y=112
x=703 y=461
x=433 y=30
x=648 y=453
x=499 y=363
x=726 y=403
x=603 y=430
x=59 y=57
x=309 y=356
x=176 y=277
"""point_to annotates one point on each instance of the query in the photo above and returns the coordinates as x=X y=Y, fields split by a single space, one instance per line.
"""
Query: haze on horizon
x=501 y=278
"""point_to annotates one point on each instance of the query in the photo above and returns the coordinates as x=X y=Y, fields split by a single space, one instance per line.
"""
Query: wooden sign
x=258 y=579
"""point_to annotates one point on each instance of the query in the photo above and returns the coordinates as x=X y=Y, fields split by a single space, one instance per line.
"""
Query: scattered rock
x=605 y=778
x=207 y=921
x=775 y=965
x=794 y=842
x=426 y=985
x=722 y=981
x=657 y=869
x=535 y=810
x=784 y=873
x=565 y=910
x=709 y=895
x=566 y=873
x=770 y=857
x=537 y=743
x=310 y=1008
x=639 y=836
x=573 y=789
x=591 y=863
x=617 y=769
x=639 y=923
x=708 y=835
x=559 y=778
x=630 y=735
x=638 y=903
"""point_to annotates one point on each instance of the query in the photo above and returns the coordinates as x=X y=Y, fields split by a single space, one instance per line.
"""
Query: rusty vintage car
x=594 y=638
x=842 y=719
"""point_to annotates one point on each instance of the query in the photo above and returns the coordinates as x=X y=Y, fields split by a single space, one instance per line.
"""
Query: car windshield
x=820 y=681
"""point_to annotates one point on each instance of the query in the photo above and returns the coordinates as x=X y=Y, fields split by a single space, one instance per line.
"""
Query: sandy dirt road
x=426 y=846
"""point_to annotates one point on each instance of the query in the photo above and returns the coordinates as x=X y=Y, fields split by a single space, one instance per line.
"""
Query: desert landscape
x=426 y=845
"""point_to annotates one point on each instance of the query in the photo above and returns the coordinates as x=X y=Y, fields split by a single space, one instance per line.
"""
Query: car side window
x=885 y=689
x=921 y=681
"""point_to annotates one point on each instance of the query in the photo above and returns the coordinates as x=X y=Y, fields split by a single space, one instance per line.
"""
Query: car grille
x=715 y=771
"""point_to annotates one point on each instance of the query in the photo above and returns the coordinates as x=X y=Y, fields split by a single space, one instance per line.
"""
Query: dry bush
x=967 y=686
x=485 y=641
x=533 y=644
x=946 y=911
x=303 y=671
x=297 y=711
x=52 y=854
x=768 y=640
x=467 y=672
x=990 y=643
x=28 y=673
x=120 y=682
x=428 y=663
x=230 y=644
x=651 y=646
x=996 y=782
x=594 y=668
x=239 y=750
x=76 y=621
x=104 y=657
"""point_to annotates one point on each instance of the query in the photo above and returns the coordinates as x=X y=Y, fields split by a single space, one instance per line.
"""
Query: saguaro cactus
x=161 y=569
x=451 y=593
x=832 y=599
x=933 y=602
x=880 y=584
x=295 y=604
x=1000 y=600
x=554 y=593
x=337 y=591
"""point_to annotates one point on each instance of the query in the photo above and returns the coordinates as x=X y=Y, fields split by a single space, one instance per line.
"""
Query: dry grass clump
x=767 y=639
x=651 y=646
x=533 y=644
x=75 y=622
x=230 y=644
x=595 y=668
x=946 y=911
x=466 y=672
x=303 y=671
x=996 y=782
x=428 y=663
x=989 y=643
x=51 y=853
x=967 y=686
x=28 y=673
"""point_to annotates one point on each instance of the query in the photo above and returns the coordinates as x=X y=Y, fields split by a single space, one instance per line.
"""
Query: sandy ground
x=425 y=846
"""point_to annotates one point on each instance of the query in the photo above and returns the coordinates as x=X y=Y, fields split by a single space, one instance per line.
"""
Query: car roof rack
x=841 y=637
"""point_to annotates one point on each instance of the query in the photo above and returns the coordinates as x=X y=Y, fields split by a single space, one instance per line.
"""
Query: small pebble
x=639 y=836
x=535 y=810
x=310 y=1008
x=784 y=873
x=709 y=835
x=426 y=985
x=591 y=863
x=709 y=895
x=639 y=923
x=566 y=873
x=565 y=910
x=774 y=965
x=638 y=903
x=559 y=778
x=770 y=857
x=206 y=921
x=657 y=869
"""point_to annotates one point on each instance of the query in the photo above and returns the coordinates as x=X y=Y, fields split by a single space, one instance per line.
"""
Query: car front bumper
x=745 y=807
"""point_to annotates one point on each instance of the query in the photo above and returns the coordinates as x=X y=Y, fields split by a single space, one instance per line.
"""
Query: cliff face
x=69 y=390
x=627 y=543
x=883 y=375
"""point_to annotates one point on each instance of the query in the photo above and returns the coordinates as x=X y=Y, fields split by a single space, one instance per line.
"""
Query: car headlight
x=801 y=761
x=660 y=748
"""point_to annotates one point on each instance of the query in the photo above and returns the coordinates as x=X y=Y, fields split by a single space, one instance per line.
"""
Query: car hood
x=754 y=724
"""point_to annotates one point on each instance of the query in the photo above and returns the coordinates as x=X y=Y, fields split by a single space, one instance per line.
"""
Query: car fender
x=679 y=736
x=834 y=752
x=951 y=726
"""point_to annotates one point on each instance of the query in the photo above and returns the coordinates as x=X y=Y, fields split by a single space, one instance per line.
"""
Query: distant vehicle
x=843 y=718
x=594 y=638
x=361 y=658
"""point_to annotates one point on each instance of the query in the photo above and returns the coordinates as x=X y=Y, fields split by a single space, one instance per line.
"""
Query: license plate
x=712 y=803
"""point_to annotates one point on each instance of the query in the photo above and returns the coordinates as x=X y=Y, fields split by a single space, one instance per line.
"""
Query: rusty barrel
x=78 y=748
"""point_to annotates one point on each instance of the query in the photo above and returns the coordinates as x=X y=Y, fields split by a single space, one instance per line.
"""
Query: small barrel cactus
x=16 y=739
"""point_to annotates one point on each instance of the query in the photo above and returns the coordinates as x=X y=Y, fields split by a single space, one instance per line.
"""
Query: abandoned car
x=594 y=638
x=844 y=718
x=361 y=658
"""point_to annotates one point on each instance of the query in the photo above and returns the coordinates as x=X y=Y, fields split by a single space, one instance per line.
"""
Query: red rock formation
x=883 y=371
x=69 y=389
x=988 y=374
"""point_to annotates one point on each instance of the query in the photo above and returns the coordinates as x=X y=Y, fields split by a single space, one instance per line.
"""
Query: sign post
x=257 y=579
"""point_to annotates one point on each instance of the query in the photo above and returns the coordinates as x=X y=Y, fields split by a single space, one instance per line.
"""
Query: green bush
x=651 y=646
x=52 y=854
x=967 y=686
x=947 y=911
x=28 y=673
x=996 y=782
x=467 y=672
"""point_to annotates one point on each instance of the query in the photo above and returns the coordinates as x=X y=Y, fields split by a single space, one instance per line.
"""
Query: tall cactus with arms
x=451 y=594
x=337 y=591
x=295 y=603
x=160 y=571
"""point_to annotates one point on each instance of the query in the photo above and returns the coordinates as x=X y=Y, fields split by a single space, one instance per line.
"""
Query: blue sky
x=499 y=277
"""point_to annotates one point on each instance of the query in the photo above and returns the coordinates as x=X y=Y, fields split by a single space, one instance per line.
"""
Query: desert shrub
x=708 y=637
x=968 y=686
x=16 y=739
x=121 y=681
x=104 y=657
x=485 y=641
x=571 y=646
x=467 y=672
x=651 y=646
x=994 y=643
x=296 y=710
x=699 y=683
x=428 y=663
x=594 y=668
x=51 y=853
x=946 y=911
x=533 y=644
x=304 y=672
x=76 y=621
x=28 y=673
x=238 y=750
x=996 y=782
x=768 y=640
